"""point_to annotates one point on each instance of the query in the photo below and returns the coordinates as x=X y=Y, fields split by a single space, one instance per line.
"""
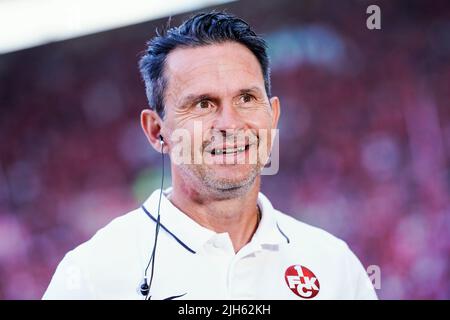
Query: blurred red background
x=364 y=138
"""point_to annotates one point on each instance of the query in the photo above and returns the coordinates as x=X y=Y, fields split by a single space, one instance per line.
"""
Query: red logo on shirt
x=302 y=281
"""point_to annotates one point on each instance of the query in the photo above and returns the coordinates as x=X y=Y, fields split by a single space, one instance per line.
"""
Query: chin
x=235 y=181
x=232 y=172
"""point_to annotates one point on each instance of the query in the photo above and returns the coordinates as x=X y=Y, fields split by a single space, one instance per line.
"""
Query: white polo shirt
x=285 y=259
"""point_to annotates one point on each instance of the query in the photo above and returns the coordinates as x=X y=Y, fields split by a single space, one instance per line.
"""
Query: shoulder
x=113 y=240
x=316 y=244
x=86 y=271
x=302 y=233
x=303 y=236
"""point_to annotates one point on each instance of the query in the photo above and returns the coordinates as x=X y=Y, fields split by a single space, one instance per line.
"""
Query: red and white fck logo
x=302 y=281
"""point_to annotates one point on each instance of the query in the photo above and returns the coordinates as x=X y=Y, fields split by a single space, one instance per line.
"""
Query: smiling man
x=212 y=235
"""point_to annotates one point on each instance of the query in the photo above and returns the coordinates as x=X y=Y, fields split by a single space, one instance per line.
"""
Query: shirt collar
x=193 y=236
x=268 y=231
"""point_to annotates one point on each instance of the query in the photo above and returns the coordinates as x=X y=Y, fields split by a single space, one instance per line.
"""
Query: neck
x=238 y=216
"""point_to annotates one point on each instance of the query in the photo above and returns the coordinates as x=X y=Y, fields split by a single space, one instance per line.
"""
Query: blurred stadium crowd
x=364 y=138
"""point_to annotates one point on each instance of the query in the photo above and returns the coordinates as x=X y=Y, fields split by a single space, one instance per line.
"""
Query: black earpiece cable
x=145 y=288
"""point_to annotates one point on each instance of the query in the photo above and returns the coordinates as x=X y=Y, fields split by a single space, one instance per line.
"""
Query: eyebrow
x=255 y=89
x=206 y=96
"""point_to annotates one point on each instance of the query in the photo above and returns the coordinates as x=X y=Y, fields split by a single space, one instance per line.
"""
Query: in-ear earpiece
x=161 y=139
x=144 y=288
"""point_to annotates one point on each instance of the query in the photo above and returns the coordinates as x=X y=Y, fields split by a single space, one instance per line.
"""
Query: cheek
x=262 y=123
x=261 y=119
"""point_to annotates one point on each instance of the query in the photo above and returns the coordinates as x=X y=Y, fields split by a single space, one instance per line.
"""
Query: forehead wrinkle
x=218 y=72
x=209 y=69
x=215 y=83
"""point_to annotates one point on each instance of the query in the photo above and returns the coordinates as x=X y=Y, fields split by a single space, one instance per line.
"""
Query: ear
x=275 y=103
x=152 y=125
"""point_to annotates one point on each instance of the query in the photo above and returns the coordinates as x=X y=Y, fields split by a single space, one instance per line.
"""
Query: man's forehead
x=212 y=65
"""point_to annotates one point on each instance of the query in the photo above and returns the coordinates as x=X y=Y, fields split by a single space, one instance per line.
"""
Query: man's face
x=216 y=94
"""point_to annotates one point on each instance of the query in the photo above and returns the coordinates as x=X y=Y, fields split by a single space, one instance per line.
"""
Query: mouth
x=217 y=151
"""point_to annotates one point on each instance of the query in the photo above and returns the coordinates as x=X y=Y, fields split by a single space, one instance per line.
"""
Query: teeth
x=229 y=150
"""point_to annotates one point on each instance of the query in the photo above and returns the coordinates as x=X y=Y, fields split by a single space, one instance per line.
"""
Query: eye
x=247 y=98
x=204 y=104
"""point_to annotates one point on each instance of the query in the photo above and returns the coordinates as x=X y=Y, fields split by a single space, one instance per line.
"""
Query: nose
x=229 y=119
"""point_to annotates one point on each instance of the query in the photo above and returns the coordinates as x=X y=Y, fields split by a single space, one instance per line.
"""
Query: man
x=212 y=235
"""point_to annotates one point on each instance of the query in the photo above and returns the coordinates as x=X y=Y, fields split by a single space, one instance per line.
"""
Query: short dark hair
x=199 y=30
